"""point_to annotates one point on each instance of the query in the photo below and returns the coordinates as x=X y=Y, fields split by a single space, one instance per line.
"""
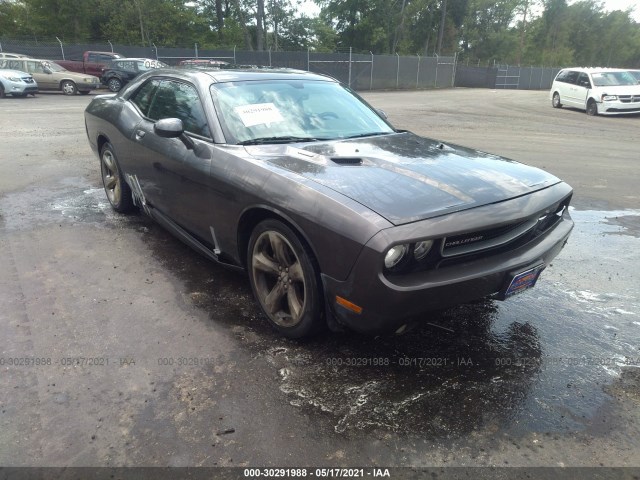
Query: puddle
x=541 y=361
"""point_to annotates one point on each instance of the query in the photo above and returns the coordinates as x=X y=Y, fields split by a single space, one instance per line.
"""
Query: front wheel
x=592 y=108
x=1 y=91
x=284 y=280
x=117 y=190
x=85 y=92
x=114 y=84
x=68 y=87
x=555 y=102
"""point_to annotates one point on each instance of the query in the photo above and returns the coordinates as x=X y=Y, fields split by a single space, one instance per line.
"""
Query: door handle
x=140 y=134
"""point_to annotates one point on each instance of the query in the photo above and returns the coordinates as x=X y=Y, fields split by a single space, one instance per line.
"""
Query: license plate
x=523 y=281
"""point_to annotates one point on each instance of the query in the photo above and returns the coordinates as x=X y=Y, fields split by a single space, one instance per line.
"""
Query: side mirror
x=172 y=128
x=382 y=113
x=169 y=128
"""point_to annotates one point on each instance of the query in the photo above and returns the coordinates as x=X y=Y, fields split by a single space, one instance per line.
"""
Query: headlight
x=13 y=79
x=395 y=255
x=421 y=249
x=609 y=98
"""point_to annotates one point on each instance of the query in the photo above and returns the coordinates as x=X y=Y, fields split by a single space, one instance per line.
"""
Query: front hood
x=405 y=178
x=620 y=90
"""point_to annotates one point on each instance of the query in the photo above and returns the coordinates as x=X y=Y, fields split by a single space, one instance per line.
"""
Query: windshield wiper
x=267 y=140
x=370 y=134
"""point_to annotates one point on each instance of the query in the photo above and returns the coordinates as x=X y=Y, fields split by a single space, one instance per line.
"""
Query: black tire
x=117 y=190
x=114 y=84
x=1 y=91
x=85 y=92
x=68 y=87
x=555 y=101
x=592 y=108
x=285 y=280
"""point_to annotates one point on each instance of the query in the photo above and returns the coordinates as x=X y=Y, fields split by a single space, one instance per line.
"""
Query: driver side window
x=158 y=99
x=180 y=100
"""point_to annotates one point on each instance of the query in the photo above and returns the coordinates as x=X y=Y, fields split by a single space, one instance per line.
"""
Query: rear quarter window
x=144 y=95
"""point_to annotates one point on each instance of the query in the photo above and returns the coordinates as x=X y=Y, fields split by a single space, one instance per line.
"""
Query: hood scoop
x=352 y=161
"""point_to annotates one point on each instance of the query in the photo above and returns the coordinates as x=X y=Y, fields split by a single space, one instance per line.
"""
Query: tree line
x=527 y=32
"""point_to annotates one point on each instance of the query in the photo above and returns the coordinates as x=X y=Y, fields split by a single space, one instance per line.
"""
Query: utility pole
x=443 y=18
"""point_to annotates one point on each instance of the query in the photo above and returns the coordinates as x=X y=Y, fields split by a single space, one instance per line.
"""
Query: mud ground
x=119 y=346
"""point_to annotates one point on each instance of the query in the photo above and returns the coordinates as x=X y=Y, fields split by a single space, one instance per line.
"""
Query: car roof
x=13 y=55
x=243 y=74
x=596 y=69
x=123 y=59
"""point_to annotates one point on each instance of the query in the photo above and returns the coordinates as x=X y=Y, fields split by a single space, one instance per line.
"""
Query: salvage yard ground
x=121 y=347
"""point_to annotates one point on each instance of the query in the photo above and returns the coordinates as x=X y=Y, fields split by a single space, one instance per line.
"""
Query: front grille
x=485 y=239
x=27 y=79
x=629 y=98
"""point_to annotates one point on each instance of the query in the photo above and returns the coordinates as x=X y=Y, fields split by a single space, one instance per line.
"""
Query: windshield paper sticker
x=258 y=114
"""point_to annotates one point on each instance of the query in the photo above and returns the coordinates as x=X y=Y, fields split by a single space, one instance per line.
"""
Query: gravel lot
x=138 y=352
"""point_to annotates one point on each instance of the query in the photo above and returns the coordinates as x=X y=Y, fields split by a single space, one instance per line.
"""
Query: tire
x=1 y=91
x=114 y=84
x=85 y=92
x=68 y=87
x=284 y=280
x=592 y=108
x=555 y=101
x=117 y=190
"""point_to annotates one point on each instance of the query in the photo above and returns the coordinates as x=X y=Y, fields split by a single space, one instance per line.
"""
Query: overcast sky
x=623 y=5
x=312 y=9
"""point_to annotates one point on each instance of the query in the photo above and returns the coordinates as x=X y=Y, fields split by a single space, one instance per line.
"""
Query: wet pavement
x=184 y=370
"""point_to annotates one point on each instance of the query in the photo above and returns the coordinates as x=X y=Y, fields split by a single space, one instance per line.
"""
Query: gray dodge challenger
x=338 y=218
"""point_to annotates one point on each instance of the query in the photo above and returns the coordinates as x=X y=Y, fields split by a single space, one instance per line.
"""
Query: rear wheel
x=592 y=107
x=114 y=84
x=284 y=280
x=117 y=190
x=68 y=87
x=555 y=102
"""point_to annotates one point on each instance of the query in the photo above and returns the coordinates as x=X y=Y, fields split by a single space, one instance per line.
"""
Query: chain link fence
x=359 y=71
x=505 y=77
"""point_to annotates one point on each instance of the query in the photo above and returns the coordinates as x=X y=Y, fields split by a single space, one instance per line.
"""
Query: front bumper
x=20 y=88
x=86 y=86
x=618 y=107
x=389 y=302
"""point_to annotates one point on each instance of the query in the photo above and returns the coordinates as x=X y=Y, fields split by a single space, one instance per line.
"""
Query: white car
x=607 y=91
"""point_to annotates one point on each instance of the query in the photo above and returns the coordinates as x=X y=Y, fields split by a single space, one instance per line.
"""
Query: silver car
x=17 y=83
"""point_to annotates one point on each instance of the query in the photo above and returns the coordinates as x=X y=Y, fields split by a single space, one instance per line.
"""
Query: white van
x=607 y=91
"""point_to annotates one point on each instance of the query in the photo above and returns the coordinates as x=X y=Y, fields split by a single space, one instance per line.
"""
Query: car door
x=46 y=81
x=181 y=174
x=570 y=90
x=583 y=85
x=138 y=161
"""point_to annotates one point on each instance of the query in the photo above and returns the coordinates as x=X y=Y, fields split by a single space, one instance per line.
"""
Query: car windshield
x=613 y=79
x=271 y=111
x=54 y=67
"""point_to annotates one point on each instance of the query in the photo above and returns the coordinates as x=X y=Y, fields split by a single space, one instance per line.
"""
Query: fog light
x=421 y=249
x=395 y=255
